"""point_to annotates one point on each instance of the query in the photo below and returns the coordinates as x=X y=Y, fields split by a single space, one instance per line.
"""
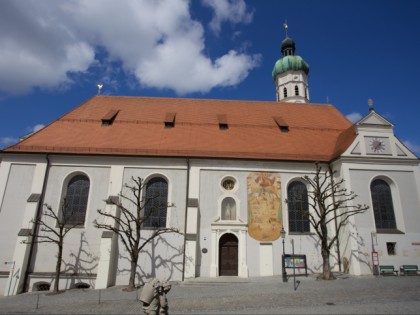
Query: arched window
x=228 y=209
x=156 y=203
x=285 y=92
x=383 y=207
x=296 y=90
x=75 y=202
x=297 y=202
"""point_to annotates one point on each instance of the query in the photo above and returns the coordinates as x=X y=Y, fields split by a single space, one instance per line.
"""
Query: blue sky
x=54 y=53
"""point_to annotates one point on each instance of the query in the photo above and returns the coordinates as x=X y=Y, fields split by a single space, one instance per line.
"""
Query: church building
x=225 y=168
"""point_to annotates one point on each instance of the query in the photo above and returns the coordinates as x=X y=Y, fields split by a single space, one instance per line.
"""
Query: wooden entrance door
x=228 y=255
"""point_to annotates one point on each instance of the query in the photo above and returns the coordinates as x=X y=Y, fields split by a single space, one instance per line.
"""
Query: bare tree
x=330 y=203
x=129 y=219
x=53 y=227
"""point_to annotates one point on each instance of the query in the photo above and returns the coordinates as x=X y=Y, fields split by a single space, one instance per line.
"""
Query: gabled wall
x=377 y=154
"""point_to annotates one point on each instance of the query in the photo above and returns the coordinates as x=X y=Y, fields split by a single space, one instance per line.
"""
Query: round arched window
x=228 y=184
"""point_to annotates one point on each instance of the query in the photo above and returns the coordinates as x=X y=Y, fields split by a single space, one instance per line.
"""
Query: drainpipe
x=186 y=216
x=37 y=216
x=335 y=221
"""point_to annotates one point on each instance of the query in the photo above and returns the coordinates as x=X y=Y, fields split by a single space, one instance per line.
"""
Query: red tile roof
x=315 y=132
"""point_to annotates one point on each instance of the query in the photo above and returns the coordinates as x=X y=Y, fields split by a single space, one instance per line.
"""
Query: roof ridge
x=210 y=99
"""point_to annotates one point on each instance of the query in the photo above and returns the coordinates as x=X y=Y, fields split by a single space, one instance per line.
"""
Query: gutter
x=186 y=216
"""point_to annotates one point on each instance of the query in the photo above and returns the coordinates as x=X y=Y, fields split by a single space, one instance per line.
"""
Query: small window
x=41 y=286
x=170 y=120
x=223 y=123
x=228 y=184
x=228 y=209
x=109 y=118
x=285 y=92
x=283 y=126
x=296 y=90
x=81 y=285
x=156 y=203
x=391 y=248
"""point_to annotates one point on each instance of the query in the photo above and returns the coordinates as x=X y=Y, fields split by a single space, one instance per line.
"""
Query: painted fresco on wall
x=264 y=206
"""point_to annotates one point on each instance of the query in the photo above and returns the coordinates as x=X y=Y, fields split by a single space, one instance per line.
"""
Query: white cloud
x=158 y=42
x=6 y=141
x=354 y=117
x=233 y=11
x=36 y=49
x=37 y=127
x=412 y=146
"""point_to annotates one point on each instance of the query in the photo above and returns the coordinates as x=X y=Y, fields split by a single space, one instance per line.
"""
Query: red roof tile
x=316 y=132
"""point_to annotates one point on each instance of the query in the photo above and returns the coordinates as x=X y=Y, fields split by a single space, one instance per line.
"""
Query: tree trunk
x=325 y=252
x=58 y=266
x=132 y=280
x=326 y=268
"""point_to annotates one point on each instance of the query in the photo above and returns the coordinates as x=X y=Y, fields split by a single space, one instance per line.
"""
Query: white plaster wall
x=12 y=211
x=211 y=174
x=407 y=212
x=165 y=259
x=81 y=244
x=211 y=194
x=162 y=258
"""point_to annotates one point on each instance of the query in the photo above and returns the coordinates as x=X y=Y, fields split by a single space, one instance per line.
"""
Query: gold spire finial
x=285 y=26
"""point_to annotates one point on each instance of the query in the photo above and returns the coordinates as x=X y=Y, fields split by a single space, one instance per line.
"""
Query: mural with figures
x=264 y=206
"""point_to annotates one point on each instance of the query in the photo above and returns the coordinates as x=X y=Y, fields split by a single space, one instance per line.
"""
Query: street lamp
x=283 y=236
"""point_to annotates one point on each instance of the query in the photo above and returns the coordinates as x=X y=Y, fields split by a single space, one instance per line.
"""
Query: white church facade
x=226 y=168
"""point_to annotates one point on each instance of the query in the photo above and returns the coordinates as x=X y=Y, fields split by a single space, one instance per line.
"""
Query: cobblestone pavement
x=228 y=295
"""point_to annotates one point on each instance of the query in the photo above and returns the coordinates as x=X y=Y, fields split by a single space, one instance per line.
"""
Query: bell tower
x=290 y=74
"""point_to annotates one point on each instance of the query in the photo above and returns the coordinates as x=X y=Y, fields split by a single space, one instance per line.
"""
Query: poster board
x=295 y=262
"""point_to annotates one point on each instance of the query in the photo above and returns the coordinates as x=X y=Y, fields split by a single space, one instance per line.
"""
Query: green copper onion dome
x=289 y=61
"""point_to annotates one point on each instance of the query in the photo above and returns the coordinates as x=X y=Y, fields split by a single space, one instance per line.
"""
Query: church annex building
x=226 y=167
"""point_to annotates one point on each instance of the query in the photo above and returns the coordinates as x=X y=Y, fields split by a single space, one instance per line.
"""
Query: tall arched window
x=75 y=202
x=285 y=92
x=383 y=207
x=297 y=202
x=228 y=209
x=156 y=203
x=296 y=90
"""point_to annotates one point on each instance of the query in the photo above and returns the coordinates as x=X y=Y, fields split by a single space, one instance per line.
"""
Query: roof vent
x=109 y=118
x=170 y=120
x=284 y=127
x=223 y=124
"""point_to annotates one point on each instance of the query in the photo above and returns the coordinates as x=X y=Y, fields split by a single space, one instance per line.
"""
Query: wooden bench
x=387 y=270
x=409 y=270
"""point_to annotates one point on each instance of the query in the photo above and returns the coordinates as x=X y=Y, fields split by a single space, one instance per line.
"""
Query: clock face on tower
x=377 y=145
